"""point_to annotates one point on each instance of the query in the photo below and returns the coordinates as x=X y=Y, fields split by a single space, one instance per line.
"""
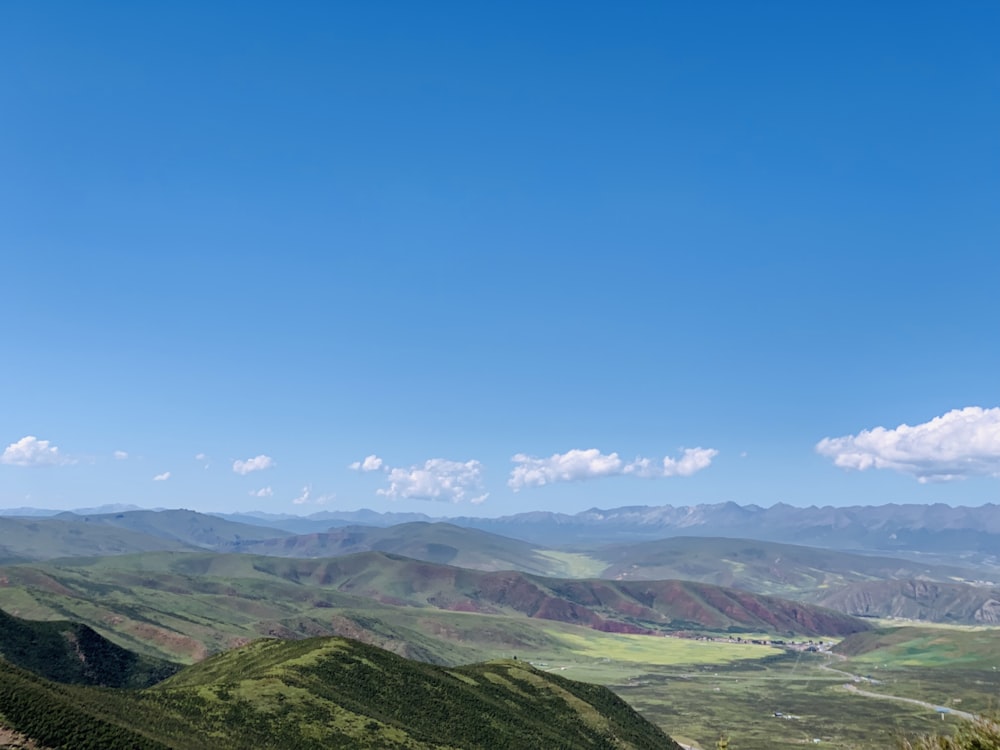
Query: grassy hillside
x=764 y=567
x=23 y=539
x=983 y=734
x=958 y=603
x=924 y=646
x=603 y=605
x=322 y=693
x=65 y=716
x=187 y=605
x=956 y=667
x=187 y=527
x=74 y=653
x=442 y=543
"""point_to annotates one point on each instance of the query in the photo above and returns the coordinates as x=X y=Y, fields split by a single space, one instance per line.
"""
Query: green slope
x=951 y=666
x=74 y=653
x=925 y=646
x=331 y=692
x=763 y=567
x=187 y=605
x=442 y=543
x=48 y=538
x=186 y=527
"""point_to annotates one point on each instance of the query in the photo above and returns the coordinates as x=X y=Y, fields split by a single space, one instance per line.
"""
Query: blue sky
x=540 y=256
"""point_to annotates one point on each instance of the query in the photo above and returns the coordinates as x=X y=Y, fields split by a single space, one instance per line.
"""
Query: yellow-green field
x=647 y=650
x=573 y=564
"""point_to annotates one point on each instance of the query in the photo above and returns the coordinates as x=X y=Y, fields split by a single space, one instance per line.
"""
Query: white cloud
x=437 y=479
x=307 y=497
x=371 y=463
x=162 y=477
x=30 y=451
x=956 y=445
x=120 y=455
x=570 y=466
x=691 y=461
x=575 y=465
x=258 y=463
x=262 y=492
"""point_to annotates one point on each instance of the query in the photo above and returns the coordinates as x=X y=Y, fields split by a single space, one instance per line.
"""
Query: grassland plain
x=741 y=700
x=953 y=667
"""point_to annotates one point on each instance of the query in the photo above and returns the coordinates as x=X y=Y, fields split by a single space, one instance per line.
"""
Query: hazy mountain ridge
x=926 y=528
x=764 y=567
x=73 y=535
x=442 y=543
x=889 y=527
x=24 y=539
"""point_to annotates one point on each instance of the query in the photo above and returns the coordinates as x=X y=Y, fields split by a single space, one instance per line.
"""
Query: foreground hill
x=330 y=692
x=187 y=605
x=74 y=653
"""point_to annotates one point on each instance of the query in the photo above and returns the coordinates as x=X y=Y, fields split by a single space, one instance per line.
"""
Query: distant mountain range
x=892 y=527
x=895 y=528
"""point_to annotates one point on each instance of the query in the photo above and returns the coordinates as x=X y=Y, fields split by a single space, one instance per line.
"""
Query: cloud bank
x=436 y=479
x=259 y=463
x=30 y=451
x=577 y=465
x=959 y=444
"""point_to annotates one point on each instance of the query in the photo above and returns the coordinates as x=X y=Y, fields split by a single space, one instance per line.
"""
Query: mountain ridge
x=318 y=693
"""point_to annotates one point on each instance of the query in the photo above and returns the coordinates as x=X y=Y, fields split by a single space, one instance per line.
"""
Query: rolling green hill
x=74 y=653
x=185 y=606
x=925 y=646
x=764 y=567
x=71 y=535
x=951 y=666
x=442 y=543
x=186 y=527
x=23 y=539
x=330 y=692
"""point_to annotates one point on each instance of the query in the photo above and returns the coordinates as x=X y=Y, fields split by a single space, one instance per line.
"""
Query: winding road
x=853 y=688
